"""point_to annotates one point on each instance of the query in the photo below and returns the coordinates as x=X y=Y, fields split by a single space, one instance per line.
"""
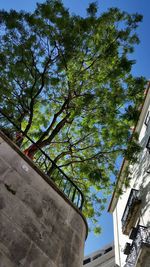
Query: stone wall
x=39 y=226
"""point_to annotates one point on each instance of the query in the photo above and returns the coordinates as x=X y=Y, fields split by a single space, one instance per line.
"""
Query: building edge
x=125 y=163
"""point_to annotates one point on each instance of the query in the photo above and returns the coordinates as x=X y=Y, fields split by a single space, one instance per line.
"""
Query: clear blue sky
x=142 y=67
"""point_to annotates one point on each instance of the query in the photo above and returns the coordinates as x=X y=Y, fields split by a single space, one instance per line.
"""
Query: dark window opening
x=148 y=144
x=86 y=261
x=127 y=249
x=97 y=256
x=133 y=233
x=107 y=250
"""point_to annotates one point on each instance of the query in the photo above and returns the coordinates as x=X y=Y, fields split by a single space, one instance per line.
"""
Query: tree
x=66 y=82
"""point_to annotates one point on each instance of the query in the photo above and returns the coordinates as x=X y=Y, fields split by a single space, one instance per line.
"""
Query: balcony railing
x=131 y=211
x=141 y=241
x=42 y=160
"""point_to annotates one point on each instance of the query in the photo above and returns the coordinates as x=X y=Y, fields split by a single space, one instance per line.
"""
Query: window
x=147 y=119
x=133 y=233
x=97 y=256
x=127 y=249
x=86 y=261
x=107 y=250
x=148 y=145
x=131 y=211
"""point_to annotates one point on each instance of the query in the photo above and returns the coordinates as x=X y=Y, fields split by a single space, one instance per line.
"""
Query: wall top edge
x=44 y=176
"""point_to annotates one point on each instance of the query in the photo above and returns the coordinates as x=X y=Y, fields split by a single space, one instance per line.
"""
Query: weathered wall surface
x=38 y=227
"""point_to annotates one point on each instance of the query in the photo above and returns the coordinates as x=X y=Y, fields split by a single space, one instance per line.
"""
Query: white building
x=104 y=257
x=131 y=211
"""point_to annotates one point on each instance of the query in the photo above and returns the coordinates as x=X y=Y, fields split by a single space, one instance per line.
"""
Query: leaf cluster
x=66 y=81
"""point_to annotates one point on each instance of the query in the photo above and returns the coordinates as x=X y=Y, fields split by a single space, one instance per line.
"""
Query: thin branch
x=55 y=131
x=53 y=121
x=102 y=153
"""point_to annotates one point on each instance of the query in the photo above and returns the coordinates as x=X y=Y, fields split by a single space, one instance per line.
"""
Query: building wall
x=140 y=181
x=39 y=227
x=101 y=258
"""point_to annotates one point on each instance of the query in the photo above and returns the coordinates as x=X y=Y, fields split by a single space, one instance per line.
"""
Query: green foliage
x=97 y=230
x=92 y=9
x=66 y=82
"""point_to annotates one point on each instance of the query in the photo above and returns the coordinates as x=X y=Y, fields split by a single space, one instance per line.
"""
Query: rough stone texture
x=38 y=226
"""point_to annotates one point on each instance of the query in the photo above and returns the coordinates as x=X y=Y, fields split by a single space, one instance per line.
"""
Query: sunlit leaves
x=66 y=81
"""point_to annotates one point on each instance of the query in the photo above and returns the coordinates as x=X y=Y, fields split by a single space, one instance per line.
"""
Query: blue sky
x=142 y=67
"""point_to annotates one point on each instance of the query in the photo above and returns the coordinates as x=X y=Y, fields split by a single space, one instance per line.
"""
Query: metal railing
x=142 y=238
x=133 y=197
x=43 y=161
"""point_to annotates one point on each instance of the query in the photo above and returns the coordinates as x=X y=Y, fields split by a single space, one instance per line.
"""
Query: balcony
x=131 y=212
x=140 y=248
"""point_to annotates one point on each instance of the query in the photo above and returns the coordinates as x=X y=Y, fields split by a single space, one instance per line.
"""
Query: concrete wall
x=39 y=227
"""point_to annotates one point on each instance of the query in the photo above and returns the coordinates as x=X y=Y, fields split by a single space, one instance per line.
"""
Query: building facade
x=131 y=210
x=104 y=257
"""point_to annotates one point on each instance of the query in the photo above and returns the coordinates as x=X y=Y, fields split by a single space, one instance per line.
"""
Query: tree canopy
x=66 y=82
